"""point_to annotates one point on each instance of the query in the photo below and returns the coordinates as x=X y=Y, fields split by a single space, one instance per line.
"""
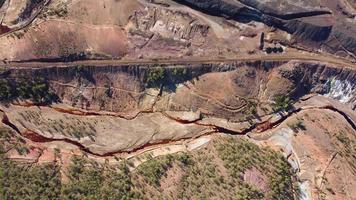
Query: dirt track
x=338 y=62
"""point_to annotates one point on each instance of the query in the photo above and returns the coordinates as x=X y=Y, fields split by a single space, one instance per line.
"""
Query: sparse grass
x=297 y=125
x=59 y=10
x=70 y=126
x=12 y=141
x=347 y=148
x=18 y=34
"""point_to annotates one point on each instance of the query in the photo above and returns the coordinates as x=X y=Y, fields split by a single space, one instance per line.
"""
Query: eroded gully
x=257 y=127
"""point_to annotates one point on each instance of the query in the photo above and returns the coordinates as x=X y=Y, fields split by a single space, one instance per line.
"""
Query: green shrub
x=241 y=155
x=89 y=180
x=154 y=169
x=238 y=155
x=156 y=76
x=281 y=102
x=6 y=92
x=296 y=126
x=36 y=90
x=214 y=172
x=179 y=72
x=249 y=192
x=184 y=158
x=21 y=181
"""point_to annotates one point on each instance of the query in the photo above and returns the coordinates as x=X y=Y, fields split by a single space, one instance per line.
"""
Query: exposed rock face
x=2 y=2
x=62 y=86
x=228 y=87
x=14 y=14
x=265 y=12
x=304 y=19
x=72 y=30
x=183 y=102
x=319 y=151
x=101 y=135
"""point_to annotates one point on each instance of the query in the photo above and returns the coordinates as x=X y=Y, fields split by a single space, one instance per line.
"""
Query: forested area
x=216 y=171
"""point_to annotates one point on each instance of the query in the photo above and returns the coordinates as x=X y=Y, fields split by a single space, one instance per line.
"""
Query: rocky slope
x=17 y=14
x=309 y=22
x=169 y=102
x=140 y=29
x=319 y=144
x=196 y=72
x=110 y=113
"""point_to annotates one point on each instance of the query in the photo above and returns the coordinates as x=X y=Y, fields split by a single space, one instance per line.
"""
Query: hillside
x=177 y=99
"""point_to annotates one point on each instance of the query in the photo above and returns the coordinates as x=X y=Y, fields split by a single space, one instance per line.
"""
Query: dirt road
x=302 y=56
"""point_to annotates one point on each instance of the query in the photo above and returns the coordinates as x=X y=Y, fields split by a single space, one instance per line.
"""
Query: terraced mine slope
x=181 y=99
x=142 y=29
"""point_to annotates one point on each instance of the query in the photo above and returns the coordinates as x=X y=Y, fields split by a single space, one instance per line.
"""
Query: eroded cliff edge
x=112 y=109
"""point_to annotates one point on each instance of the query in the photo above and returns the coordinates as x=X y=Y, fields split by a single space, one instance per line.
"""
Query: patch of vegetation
x=156 y=76
x=36 y=90
x=12 y=141
x=251 y=108
x=179 y=72
x=238 y=156
x=215 y=172
x=282 y=103
x=295 y=75
x=6 y=92
x=245 y=155
x=247 y=191
x=204 y=177
x=108 y=91
x=70 y=126
x=22 y=181
x=347 y=148
x=61 y=10
x=58 y=10
x=184 y=159
x=154 y=169
x=343 y=139
x=89 y=180
x=297 y=126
